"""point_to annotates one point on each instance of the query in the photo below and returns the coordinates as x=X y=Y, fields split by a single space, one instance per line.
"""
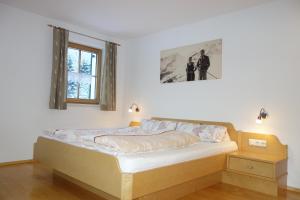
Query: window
x=83 y=74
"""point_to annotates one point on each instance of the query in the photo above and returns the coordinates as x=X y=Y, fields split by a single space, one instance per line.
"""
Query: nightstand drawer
x=251 y=167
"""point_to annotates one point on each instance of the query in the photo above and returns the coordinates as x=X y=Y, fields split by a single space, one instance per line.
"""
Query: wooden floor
x=228 y=192
x=32 y=181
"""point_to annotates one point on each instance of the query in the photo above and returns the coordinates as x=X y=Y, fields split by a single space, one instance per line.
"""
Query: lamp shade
x=134 y=107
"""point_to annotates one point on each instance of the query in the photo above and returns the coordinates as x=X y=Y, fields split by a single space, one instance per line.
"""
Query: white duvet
x=147 y=143
x=70 y=135
x=126 y=140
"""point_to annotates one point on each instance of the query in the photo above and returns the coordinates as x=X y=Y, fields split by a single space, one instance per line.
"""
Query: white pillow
x=155 y=125
x=146 y=124
x=188 y=127
x=170 y=125
x=212 y=133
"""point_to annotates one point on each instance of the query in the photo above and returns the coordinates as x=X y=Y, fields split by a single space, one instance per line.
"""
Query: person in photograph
x=203 y=64
x=190 y=70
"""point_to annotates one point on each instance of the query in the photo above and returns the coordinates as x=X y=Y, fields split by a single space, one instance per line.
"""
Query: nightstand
x=264 y=173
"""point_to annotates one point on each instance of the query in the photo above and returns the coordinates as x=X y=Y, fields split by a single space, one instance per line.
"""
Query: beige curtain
x=108 y=79
x=59 y=69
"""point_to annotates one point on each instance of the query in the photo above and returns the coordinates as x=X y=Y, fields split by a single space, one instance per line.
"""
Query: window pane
x=72 y=62
x=86 y=63
x=72 y=89
x=85 y=86
x=94 y=64
x=93 y=88
x=73 y=78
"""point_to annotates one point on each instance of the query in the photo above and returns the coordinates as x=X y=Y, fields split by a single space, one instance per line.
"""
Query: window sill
x=82 y=101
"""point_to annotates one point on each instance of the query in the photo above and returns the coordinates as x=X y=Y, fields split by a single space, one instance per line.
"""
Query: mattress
x=138 y=162
x=145 y=161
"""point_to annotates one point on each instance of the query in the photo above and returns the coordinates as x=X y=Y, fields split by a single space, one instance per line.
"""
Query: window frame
x=98 y=52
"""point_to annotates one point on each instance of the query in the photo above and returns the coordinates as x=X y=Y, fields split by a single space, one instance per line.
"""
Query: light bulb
x=258 y=121
x=130 y=110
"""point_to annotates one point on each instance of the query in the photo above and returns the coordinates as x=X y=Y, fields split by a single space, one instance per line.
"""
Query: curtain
x=59 y=69
x=108 y=78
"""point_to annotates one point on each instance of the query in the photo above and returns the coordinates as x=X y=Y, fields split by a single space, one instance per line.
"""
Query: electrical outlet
x=258 y=143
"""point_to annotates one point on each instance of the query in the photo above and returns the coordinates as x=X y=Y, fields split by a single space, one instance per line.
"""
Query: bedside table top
x=258 y=157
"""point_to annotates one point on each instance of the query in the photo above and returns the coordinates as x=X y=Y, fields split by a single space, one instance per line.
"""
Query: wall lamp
x=134 y=107
x=262 y=115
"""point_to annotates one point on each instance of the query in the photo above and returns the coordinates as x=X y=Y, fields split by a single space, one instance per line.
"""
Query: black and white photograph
x=201 y=61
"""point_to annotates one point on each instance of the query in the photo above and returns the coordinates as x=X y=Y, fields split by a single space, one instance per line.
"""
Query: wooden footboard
x=155 y=180
x=96 y=169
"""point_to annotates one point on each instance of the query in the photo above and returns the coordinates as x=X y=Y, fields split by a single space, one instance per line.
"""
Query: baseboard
x=293 y=189
x=18 y=162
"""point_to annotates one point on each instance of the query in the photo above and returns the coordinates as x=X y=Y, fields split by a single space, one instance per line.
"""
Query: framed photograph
x=201 y=61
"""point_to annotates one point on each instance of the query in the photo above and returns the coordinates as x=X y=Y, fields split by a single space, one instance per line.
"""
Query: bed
x=126 y=177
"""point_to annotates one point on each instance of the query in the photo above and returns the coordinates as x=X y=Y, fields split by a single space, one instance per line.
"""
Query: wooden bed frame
x=101 y=174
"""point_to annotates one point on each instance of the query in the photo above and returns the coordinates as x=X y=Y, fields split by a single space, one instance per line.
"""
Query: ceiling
x=131 y=18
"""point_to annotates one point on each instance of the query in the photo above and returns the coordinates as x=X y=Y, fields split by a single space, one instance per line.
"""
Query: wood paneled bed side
x=97 y=170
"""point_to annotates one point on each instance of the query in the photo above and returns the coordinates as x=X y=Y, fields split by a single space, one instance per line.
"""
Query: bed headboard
x=230 y=128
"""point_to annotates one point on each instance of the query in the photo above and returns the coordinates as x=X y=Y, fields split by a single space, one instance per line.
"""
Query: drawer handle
x=250 y=167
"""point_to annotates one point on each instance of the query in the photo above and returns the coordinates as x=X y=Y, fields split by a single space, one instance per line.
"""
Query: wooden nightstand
x=258 y=169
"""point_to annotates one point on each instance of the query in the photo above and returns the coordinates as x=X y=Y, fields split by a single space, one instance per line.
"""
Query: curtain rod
x=52 y=26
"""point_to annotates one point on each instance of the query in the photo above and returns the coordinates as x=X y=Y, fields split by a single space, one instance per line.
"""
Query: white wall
x=261 y=68
x=26 y=58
